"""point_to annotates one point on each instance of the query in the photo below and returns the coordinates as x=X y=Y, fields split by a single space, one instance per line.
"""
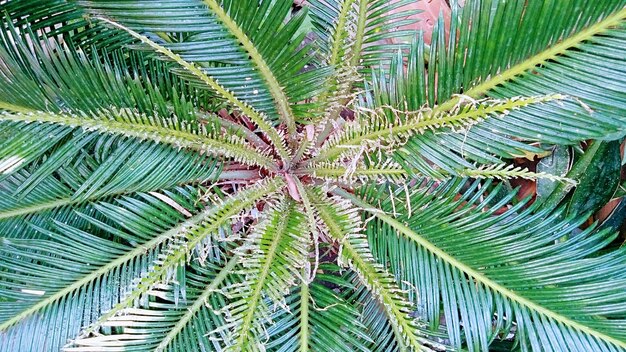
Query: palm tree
x=200 y=175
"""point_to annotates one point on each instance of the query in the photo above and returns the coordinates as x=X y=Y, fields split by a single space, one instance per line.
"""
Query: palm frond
x=51 y=90
x=114 y=122
x=390 y=171
x=359 y=32
x=485 y=272
x=384 y=127
x=344 y=226
x=191 y=240
x=259 y=119
x=272 y=259
x=350 y=35
x=46 y=280
x=63 y=20
x=319 y=318
x=231 y=43
x=493 y=59
x=144 y=257
x=166 y=323
x=65 y=183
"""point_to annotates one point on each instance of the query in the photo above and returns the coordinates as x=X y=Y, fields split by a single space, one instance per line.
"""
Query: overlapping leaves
x=129 y=221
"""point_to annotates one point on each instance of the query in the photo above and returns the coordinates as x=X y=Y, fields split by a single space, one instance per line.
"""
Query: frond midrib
x=519 y=69
x=304 y=316
x=337 y=44
x=388 y=302
x=235 y=205
x=512 y=295
x=398 y=316
x=496 y=171
x=431 y=119
x=279 y=232
x=138 y=251
x=62 y=202
x=360 y=32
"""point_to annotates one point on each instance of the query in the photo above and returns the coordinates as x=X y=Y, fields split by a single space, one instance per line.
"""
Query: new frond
x=272 y=259
x=387 y=128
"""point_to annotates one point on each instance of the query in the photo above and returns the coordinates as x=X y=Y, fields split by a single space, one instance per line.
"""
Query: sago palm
x=245 y=175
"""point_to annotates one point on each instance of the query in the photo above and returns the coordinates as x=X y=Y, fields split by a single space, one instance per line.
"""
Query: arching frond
x=106 y=169
x=353 y=31
x=351 y=47
x=319 y=318
x=391 y=171
x=192 y=237
x=168 y=324
x=45 y=281
x=272 y=259
x=109 y=260
x=115 y=122
x=494 y=59
x=488 y=272
x=258 y=118
x=344 y=226
x=388 y=128
x=63 y=86
x=231 y=41
x=63 y=20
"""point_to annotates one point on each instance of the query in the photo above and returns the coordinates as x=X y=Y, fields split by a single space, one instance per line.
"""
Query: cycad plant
x=246 y=175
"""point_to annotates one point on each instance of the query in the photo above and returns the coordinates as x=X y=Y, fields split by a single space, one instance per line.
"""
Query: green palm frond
x=389 y=128
x=50 y=92
x=351 y=33
x=65 y=21
x=142 y=262
x=272 y=258
x=344 y=226
x=448 y=244
x=220 y=41
x=37 y=285
x=476 y=64
x=315 y=311
x=393 y=172
x=165 y=323
x=55 y=191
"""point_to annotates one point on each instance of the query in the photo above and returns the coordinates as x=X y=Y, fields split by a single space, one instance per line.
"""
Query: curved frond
x=175 y=241
x=490 y=271
x=104 y=170
x=193 y=236
x=63 y=86
x=391 y=171
x=168 y=324
x=47 y=279
x=494 y=59
x=388 y=128
x=258 y=118
x=63 y=20
x=231 y=41
x=350 y=36
x=319 y=318
x=272 y=258
x=344 y=226
x=119 y=122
